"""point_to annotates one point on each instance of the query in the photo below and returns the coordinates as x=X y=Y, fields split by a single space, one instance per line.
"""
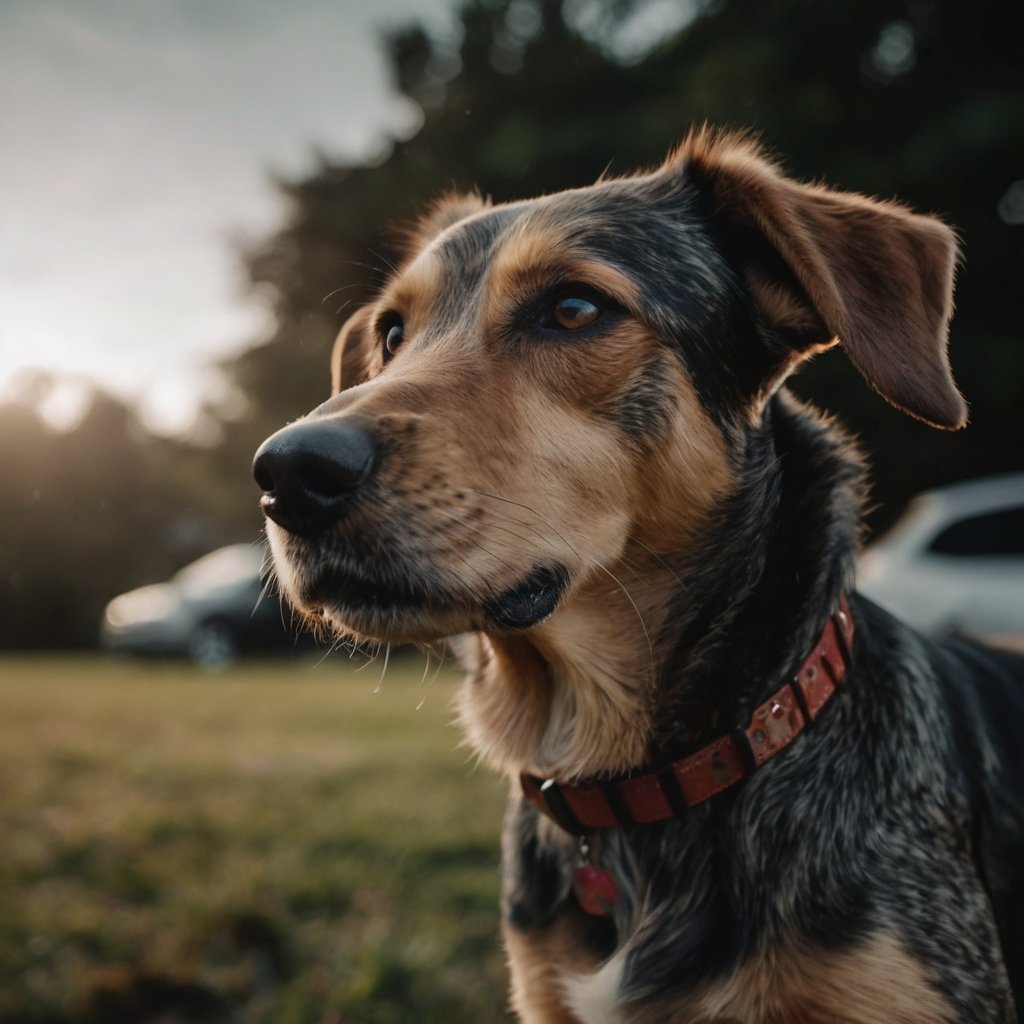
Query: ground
x=284 y=842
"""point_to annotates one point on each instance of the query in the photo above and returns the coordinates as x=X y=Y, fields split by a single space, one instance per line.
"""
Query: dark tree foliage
x=94 y=511
x=916 y=99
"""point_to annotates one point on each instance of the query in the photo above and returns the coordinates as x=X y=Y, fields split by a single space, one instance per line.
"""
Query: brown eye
x=393 y=332
x=572 y=313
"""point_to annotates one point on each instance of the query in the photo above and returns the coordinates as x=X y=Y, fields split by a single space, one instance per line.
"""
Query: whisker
x=343 y=288
x=268 y=583
x=627 y=562
x=335 y=644
x=383 y=671
x=424 y=685
x=546 y=540
x=655 y=555
x=371 y=658
x=379 y=271
x=532 y=511
x=505 y=529
x=508 y=501
x=473 y=569
x=268 y=572
x=384 y=260
x=440 y=665
x=629 y=598
x=454 y=517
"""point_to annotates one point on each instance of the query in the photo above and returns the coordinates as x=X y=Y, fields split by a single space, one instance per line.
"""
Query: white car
x=954 y=560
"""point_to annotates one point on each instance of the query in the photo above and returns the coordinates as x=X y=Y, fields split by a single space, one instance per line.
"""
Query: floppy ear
x=825 y=265
x=350 y=358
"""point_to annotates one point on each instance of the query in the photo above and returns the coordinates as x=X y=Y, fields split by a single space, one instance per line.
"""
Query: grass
x=281 y=842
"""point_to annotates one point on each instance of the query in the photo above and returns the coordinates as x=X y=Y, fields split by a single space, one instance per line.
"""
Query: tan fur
x=529 y=250
x=687 y=476
x=578 y=696
x=583 y=686
x=537 y=964
x=538 y=251
x=410 y=294
x=877 y=982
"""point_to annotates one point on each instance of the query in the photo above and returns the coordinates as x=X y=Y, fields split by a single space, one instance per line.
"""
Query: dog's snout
x=308 y=472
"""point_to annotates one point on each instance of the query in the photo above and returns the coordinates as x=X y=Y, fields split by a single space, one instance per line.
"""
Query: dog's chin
x=408 y=613
x=407 y=626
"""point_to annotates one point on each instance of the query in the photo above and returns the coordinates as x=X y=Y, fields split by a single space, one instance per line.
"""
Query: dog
x=561 y=435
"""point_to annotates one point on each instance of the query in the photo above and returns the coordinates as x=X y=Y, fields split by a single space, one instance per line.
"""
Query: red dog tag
x=595 y=889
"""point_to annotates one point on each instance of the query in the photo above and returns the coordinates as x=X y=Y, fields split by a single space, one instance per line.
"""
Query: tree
x=93 y=511
x=919 y=100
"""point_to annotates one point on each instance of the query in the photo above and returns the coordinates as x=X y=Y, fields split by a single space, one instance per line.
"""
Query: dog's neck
x=758 y=592
x=667 y=651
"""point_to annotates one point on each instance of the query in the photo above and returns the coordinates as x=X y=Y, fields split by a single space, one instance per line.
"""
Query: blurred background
x=195 y=195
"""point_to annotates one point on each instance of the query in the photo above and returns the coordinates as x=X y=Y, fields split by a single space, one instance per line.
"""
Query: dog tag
x=596 y=890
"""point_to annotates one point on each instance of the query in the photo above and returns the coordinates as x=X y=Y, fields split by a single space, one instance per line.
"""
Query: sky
x=139 y=144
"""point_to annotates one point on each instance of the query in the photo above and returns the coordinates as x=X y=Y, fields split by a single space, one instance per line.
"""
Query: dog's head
x=545 y=383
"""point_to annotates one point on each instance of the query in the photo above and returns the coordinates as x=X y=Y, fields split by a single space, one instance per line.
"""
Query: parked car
x=212 y=611
x=955 y=560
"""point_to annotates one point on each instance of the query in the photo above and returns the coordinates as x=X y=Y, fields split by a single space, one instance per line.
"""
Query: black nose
x=309 y=471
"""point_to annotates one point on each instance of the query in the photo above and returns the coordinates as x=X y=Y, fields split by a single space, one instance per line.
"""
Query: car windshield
x=222 y=568
x=921 y=509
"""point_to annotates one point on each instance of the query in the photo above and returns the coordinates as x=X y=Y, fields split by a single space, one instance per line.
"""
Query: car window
x=911 y=527
x=992 y=533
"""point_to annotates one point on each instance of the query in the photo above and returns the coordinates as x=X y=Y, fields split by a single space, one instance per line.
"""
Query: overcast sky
x=138 y=141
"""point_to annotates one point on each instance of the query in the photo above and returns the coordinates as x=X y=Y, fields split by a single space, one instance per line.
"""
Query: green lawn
x=285 y=842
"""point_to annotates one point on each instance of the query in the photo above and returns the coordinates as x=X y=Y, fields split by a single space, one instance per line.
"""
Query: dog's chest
x=595 y=997
x=876 y=982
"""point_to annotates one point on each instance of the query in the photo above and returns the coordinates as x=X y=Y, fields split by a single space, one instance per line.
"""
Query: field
x=284 y=842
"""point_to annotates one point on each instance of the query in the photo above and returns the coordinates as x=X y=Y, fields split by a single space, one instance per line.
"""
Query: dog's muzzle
x=317 y=476
x=310 y=471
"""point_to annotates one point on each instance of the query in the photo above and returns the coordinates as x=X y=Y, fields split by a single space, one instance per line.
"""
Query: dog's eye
x=392 y=332
x=394 y=338
x=572 y=313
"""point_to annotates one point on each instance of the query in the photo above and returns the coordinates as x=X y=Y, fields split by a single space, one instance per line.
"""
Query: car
x=212 y=611
x=954 y=562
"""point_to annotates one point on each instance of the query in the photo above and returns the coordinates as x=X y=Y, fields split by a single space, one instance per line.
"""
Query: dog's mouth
x=387 y=602
x=358 y=592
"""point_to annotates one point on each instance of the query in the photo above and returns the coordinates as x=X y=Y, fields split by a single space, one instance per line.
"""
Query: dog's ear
x=350 y=358
x=446 y=210
x=825 y=265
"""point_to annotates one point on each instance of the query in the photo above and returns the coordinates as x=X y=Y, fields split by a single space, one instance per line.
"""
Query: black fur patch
x=529 y=602
x=643 y=411
x=892 y=811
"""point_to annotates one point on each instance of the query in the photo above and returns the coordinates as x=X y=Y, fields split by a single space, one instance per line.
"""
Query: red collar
x=671 y=790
